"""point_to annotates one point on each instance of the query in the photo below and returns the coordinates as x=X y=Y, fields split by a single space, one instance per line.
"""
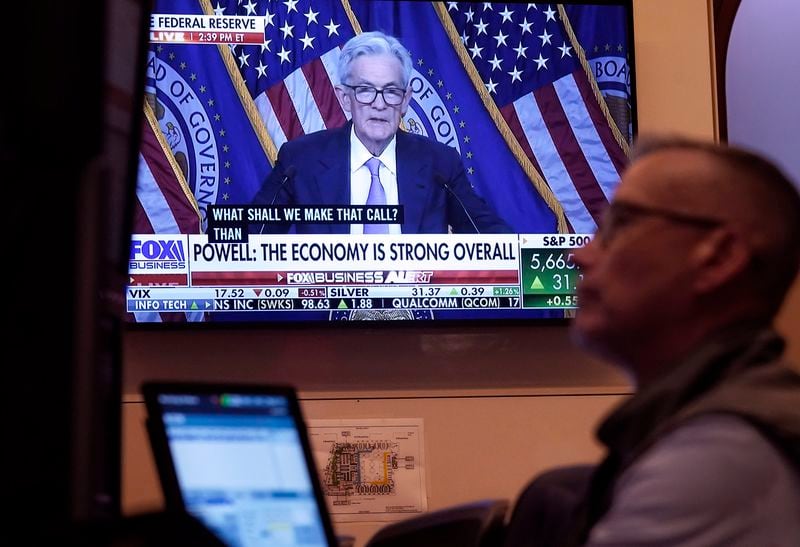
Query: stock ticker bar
x=329 y=304
x=334 y=272
x=321 y=298
x=398 y=303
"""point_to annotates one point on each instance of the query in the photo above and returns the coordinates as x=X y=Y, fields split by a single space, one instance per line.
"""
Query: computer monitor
x=238 y=459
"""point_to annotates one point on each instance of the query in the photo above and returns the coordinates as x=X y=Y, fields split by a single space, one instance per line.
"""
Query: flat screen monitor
x=255 y=202
x=238 y=459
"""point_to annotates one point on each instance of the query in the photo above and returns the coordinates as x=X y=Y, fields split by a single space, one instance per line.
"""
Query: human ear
x=344 y=98
x=719 y=257
x=406 y=100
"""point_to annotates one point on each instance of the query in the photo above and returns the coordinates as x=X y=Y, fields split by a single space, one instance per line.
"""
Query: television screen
x=273 y=187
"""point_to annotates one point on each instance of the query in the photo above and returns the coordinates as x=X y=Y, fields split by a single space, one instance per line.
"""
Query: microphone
x=287 y=176
x=443 y=183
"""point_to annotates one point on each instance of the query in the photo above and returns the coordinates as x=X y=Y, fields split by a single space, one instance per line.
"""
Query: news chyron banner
x=350 y=277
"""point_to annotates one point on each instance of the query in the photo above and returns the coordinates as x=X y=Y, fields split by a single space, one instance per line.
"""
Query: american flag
x=165 y=203
x=531 y=68
x=291 y=77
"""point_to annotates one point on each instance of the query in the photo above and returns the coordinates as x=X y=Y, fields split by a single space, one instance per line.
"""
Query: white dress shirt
x=360 y=178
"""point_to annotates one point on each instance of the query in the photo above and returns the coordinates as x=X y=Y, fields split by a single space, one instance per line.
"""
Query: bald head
x=739 y=189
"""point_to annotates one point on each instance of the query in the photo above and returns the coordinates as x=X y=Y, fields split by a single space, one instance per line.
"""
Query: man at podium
x=369 y=162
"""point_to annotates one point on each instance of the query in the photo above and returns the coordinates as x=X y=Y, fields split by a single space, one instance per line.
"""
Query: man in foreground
x=680 y=288
x=370 y=162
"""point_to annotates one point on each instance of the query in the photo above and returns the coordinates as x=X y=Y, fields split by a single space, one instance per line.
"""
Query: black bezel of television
x=556 y=140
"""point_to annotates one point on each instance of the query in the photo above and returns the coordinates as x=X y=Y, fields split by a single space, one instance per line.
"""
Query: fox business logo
x=157 y=254
x=368 y=278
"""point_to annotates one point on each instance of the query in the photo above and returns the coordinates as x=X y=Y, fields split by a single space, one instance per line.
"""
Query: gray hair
x=373 y=43
x=755 y=194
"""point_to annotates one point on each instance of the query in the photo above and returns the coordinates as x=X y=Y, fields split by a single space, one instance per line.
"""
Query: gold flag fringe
x=621 y=140
x=150 y=116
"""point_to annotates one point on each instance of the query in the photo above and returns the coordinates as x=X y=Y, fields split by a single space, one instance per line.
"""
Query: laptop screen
x=239 y=461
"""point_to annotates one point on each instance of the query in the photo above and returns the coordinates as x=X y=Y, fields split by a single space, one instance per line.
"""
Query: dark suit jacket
x=321 y=165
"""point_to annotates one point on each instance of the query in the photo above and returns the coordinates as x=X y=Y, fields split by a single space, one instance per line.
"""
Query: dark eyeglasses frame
x=377 y=92
x=617 y=210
